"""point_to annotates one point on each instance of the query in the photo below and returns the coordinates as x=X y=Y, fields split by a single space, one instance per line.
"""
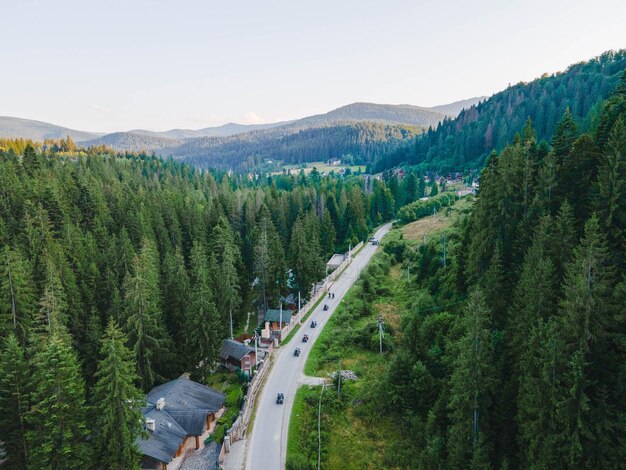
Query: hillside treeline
x=363 y=140
x=466 y=142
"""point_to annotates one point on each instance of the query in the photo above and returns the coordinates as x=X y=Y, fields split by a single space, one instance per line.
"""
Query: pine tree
x=116 y=404
x=57 y=418
x=327 y=234
x=583 y=350
x=202 y=325
x=564 y=136
x=537 y=399
x=175 y=292
x=434 y=189
x=17 y=296
x=471 y=384
x=299 y=256
x=143 y=323
x=610 y=193
x=14 y=403
x=410 y=189
x=230 y=296
x=421 y=187
x=30 y=159
x=262 y=263
x=52 y=304
x=535 y=296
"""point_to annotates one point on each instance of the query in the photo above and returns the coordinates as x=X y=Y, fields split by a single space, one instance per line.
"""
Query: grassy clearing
x=322 y=167
x=432 y=225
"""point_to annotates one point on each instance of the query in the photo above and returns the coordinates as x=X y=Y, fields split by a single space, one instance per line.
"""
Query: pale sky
x=161 y=64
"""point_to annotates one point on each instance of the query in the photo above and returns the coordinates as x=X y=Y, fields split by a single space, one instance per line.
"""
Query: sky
x=163 y=64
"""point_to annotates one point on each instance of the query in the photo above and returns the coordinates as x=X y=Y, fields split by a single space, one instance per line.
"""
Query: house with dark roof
x=234 y=354
x=176 y=412
x=290 y=301
x=277 y=319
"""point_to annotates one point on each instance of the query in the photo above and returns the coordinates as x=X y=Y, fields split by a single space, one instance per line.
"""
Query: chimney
x=150 y=424
x=160 y=404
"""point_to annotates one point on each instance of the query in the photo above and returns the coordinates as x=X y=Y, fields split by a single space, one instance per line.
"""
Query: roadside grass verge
x=356 y=432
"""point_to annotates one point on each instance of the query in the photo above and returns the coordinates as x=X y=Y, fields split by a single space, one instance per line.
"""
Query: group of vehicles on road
x=280 y=397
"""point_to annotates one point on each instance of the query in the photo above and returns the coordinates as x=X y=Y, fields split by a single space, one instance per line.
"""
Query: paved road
x=267 y=448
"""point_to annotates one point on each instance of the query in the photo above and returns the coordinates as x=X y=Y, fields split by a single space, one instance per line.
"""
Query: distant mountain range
x=18 y=128
x=234 y=144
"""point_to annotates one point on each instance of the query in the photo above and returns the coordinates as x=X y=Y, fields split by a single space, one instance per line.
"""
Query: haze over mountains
x=141 y=139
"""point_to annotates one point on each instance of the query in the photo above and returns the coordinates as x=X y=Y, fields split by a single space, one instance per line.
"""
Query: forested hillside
x=129 y=266
x=509 y=350
x=363 y=140
x=465 y=142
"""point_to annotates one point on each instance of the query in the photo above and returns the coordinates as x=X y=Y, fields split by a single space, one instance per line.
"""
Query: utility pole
x=256 y=352
x=299 y=307
x=408 y=273
x=379 y=320
x=280 y=323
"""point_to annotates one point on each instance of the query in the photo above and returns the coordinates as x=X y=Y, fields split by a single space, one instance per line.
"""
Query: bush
x=418 y=209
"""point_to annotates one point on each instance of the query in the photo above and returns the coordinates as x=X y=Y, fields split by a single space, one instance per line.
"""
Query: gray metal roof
x=187 y=404
x=290 y=299
x=234 y=349
x=163 y=442
x=273 y=315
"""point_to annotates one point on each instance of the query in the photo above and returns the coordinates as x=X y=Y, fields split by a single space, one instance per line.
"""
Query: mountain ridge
x=15 y=127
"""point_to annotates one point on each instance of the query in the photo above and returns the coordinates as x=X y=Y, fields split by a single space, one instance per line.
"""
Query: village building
x=399 y=173
x=277 y=319
x=465 y=192
x=179 y=416
x=334 y=262
x=234 y=354
x=290 y=301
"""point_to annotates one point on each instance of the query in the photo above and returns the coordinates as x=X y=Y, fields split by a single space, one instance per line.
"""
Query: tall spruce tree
x=143 y=323
x=58 y=419
x=17 y=294
x=584 y=354
x=610 y=193
x=202 y=326
x=14 y=403
x=472 y=384
x=116 y=404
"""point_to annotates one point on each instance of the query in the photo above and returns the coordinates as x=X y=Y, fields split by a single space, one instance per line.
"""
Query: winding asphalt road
x=267 y=447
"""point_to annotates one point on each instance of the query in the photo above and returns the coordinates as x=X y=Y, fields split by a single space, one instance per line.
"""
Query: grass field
x=432 y=225
x=322 y=167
